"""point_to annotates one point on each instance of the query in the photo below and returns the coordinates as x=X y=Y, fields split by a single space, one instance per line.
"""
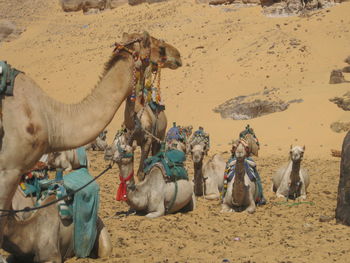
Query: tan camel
x=42 y=236
x=154 y=195
x=291 y=181
x=152 y=123
x=241 y=191
x=34 y=124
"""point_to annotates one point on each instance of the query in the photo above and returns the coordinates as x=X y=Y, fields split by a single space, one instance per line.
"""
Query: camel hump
x=7 y=78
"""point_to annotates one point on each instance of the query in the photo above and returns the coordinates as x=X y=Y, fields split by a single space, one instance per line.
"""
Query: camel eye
x=162 y=51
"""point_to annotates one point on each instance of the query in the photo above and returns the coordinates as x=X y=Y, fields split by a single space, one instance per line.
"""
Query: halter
x=244 y=143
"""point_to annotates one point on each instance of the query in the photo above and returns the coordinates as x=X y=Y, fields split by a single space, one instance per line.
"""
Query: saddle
x=172 y=162
x=7 y=78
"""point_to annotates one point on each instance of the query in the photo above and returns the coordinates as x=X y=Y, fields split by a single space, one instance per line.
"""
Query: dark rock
x=339 y=127
x=346 y=69
x=342 y=102
x=347 y=60
x=336 y=77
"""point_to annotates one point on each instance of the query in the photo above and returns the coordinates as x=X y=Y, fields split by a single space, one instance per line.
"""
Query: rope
x=29 y=209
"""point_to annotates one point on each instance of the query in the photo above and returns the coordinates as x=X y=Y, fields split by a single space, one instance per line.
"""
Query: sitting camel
x=242 y=193
x=291 y=181
x=67 y=160
x=42 y=236
x=177 y=136
x=208 y=179
x=155 y=195
x=99 y=144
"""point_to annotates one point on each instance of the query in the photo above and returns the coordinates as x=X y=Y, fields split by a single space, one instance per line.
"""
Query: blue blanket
x=85 y=209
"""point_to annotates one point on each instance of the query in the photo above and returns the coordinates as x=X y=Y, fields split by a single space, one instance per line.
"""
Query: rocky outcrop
x=137 y=2
x=342 y=102
x=253 y=105
x=8 y=31
x=86 y=5
x=340 y=126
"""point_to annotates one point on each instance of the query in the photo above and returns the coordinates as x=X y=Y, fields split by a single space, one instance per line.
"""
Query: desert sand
x=227 y=52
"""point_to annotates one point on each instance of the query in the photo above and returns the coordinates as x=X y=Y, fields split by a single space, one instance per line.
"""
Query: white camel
x=291 y=181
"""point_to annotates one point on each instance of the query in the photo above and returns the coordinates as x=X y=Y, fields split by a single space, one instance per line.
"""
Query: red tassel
x=122 y=189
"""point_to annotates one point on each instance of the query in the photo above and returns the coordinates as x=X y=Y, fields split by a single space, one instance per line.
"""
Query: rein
x=71 y=194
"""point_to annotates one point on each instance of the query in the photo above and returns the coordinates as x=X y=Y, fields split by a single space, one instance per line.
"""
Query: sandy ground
x=226 y=52
x=275 y=233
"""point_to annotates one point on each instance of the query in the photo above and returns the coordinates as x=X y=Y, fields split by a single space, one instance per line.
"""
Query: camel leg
x=9 y=180
x=68 y=166
x=145 y=148
x=303 y=192
x=103 y=245
x=158 y=211
x=191 y=205
x=251 y=208
x=2 y=260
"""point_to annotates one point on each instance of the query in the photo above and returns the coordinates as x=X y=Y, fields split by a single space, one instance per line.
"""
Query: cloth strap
x=121 y=193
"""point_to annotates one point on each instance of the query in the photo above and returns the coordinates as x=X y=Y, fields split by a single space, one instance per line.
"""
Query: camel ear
x=304 y=148
x=291 y=146
x=146 y=39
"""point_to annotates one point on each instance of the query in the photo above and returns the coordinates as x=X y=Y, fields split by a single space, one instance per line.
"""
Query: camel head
x=120 y=151
x=162 y=53
x=296 y=153
x=53 y=160
x=240 y=149
x=198 y=151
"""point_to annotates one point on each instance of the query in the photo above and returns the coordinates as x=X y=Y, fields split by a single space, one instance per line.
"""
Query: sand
x=227 y=52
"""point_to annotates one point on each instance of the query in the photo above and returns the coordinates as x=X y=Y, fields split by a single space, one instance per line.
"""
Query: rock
x=336 y=77
x=342 y=102
x=137 y=2
x=237 y=109
x=90 y=6
x=8 y=30
x=325 y=218
x=339 y=127
x=115 y=3
x=347 y=60
x=346 y=69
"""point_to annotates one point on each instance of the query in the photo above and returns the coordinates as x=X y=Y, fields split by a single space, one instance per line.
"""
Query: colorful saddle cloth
x=173 y=163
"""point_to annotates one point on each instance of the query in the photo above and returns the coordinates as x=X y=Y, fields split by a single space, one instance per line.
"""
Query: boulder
x=336 y=77
x=340 y=126
x=115 y=3
x=342 y=102
x=137 y=2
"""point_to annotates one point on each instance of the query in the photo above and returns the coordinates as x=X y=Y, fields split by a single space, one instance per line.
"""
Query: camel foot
x=303 y=197
x=251 y=210
x=280 y=196
x=226 y=209
x=154 y=215
x=212 y=197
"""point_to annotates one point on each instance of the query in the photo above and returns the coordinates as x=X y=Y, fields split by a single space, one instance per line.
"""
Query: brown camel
x=34 y=124
x=53 y=240
x=152 y=123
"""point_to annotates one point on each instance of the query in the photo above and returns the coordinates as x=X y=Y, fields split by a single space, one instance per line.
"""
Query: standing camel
x=34 y=124
x=291 y=181
x=153 y=124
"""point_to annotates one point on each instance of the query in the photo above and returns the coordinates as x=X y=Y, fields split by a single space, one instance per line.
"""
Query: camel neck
x=71 y=126
x=126 y=170
x=238 y=190
x=294 y=175
x=198 y=178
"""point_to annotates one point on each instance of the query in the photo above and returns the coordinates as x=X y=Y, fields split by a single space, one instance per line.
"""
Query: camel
x=154 y=194
x=67 y=160
x=34 y=124
x=153 y=125
x=42 y=236
x=176 y=138
x=291 y=181
x=241 y=192
x=208 y=178
x=99 y=144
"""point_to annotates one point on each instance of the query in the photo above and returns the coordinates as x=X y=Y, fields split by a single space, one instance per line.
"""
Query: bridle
x=244 y=143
